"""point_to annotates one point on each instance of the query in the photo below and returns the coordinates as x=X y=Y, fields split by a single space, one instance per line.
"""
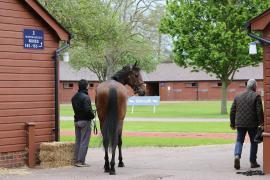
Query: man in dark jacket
x=246 y=115
x=82 y=108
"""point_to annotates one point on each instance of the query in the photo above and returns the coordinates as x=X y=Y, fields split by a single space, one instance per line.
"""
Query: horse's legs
x=120 y=164
x=112 y=170
x=106 y=158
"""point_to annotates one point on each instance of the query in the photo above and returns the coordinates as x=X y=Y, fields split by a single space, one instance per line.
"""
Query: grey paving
x=189 y=163
x=70 y=118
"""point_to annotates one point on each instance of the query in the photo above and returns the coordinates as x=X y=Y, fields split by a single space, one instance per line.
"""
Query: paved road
x=192 y=163
x=69 y=118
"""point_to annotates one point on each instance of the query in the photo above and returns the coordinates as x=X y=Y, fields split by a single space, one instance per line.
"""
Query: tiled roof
x=67 y=73
x=172 y=72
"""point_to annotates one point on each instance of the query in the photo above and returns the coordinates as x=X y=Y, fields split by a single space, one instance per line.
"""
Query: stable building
x=174 y=83
x=29 y=39
x=169 y=81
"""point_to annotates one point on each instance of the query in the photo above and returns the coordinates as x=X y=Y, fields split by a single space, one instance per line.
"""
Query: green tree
x=102 y=42
x=213 y=35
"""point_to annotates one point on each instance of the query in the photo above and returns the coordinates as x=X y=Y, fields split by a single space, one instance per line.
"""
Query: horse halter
x=136 y=87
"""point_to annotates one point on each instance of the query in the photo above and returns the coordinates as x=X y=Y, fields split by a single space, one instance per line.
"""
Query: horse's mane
x=119 y=75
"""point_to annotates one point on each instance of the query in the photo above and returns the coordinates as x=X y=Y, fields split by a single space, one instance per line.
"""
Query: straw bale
x=53 y=146
x=56 y=154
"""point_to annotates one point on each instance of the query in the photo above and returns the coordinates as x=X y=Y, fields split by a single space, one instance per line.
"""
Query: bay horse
x=111 y=105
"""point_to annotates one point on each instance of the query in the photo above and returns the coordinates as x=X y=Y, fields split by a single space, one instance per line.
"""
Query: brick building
x=169 y=81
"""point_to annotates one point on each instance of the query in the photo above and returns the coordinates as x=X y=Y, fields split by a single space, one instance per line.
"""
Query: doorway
x=152 y=89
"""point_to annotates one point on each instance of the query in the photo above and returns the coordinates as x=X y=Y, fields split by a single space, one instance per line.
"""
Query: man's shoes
x=237 y=162
x=254 y=165
x=79 y=164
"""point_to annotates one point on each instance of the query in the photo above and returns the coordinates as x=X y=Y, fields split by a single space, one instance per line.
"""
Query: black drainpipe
x=56 y=73
x=261 y=40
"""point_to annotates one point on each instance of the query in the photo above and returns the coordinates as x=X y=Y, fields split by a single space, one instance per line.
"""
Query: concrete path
x=189 y=163
x=69 y=118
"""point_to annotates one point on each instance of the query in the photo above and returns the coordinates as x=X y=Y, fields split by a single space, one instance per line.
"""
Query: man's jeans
x=241 y=133
x=82 y=132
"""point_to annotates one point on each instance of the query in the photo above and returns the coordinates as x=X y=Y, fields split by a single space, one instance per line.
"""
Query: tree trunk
x=159 y=46
x=110 y=67
x=224 y=97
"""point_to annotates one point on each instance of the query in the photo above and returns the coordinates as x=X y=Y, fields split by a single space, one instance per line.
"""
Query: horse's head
x=134 y=79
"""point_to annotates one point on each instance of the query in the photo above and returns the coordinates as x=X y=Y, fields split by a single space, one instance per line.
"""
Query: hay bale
x=52 y=146
x=56 y=154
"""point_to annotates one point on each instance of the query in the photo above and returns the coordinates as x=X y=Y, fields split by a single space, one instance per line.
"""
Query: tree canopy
x=211 y=36
x=103 y=40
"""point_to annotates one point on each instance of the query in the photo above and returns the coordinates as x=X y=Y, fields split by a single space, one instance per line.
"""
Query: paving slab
x=153 y=163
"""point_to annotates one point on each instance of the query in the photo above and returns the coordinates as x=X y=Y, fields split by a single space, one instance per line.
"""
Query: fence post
x=30 y=144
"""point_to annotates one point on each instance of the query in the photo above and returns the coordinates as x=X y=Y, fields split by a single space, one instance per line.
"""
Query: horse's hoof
x=121 y=164
x=112 y=172
x=106 y=169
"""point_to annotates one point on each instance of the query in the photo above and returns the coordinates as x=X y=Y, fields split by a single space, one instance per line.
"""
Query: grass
x=198 y=109
x=157 y=142
x=188 y=127
x=188 y=109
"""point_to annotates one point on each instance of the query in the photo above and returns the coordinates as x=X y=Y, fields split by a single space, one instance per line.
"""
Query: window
x=216 y=84
x=191 y=84
x=68 y=85
x=91 y=85
x=243 y=84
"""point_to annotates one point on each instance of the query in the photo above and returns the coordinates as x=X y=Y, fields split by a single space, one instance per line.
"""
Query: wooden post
x=30 y=144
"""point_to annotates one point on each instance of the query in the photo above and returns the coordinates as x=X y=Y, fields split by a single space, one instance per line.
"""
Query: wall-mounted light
x=66 y=57
x=253 y=47
x=169 y=88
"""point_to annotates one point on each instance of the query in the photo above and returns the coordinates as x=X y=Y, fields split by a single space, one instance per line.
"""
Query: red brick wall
x=178 y=91
x=65 y=94
x=12 y=159
x=205 y=90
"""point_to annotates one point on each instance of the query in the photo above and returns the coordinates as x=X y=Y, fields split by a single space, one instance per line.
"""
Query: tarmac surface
x=187 y=163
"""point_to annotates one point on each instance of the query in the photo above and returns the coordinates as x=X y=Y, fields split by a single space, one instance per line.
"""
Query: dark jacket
x=247 y=110
x=82 y=108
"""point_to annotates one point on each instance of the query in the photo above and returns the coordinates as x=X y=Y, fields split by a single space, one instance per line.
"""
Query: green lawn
x=203 y=127
x=189 y=109
x=201 y=109
x=157 y=142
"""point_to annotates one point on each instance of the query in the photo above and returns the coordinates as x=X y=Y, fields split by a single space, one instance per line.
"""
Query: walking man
x=82 y=108
x=246 y=115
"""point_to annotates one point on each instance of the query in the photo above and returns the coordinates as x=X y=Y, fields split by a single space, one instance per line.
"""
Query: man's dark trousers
x=241 y=133
x=82 y=132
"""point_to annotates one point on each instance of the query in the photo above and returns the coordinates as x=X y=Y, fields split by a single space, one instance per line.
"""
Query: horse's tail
x=110 y=126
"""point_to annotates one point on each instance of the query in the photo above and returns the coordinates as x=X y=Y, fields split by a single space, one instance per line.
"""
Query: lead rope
x=251 y=173
x=95 y=123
